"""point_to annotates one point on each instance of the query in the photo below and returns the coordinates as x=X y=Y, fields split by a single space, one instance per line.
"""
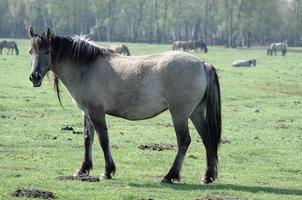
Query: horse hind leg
x=197 y=117
x=183 y=142
x=88 y=141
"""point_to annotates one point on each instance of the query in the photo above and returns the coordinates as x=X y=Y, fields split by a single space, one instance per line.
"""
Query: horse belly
x=138 y=110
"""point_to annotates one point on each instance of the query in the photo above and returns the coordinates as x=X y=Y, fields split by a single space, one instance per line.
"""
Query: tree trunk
x=196 y=30
x=158 y=31
x=111 y=15
x=139 y=19
x=206 y=21
x=164 y=32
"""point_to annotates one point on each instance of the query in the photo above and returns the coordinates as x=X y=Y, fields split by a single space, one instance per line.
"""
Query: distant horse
x=135 y=88
x=2 y=45
x=10 y=45
x=190 y=45
x=277 y=46
x=178 y=45
x=200 y=44
x=244 y=63
x=120 y=48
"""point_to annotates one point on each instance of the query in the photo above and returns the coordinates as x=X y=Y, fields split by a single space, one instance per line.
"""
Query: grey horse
x=102 y=82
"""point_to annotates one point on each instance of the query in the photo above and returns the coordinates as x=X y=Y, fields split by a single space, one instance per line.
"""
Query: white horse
x=281 y=46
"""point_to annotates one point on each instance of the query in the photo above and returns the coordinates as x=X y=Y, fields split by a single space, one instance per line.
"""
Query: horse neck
x=69 y=73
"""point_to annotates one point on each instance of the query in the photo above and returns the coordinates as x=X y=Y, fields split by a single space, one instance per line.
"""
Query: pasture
x=260 y=157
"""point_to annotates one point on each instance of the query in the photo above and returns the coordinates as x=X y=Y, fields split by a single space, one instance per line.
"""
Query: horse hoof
x=106 y=176
x=207 y=180
x=165 y=180
x=80 y=173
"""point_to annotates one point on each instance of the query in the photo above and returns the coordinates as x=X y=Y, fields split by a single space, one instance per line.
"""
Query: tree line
x=218 y=22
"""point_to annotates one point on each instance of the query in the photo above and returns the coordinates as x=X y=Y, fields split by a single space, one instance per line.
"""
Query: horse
x=10 y=45
x=189 y=45
x=102 y=82
x=200 y=44
x=277 y=46
x=177 y=45
x=244 y=63
x=2 y=45
x=120 y=48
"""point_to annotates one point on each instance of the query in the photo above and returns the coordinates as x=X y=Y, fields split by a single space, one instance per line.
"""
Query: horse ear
x=31 y=32
x=48 y=33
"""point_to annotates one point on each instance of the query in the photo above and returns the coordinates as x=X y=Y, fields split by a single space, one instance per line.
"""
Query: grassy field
x=262 y=124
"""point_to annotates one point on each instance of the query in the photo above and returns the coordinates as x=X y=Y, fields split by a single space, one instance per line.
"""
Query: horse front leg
x=98 y=120
x=88 y=141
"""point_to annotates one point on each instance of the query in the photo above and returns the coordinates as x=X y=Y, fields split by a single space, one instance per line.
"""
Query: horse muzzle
x=36 y=79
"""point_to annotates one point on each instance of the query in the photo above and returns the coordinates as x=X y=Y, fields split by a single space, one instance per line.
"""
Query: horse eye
x=30 y=51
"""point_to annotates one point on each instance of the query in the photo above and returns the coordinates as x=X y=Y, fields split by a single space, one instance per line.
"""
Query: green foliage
x=261 y=120
x=225 y=22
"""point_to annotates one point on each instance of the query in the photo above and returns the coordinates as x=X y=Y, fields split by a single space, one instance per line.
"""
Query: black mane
x=77 y=49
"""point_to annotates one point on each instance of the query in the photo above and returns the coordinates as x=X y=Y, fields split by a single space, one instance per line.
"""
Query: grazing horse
x=200 y=44
x=10 y=45
x=135 y=88
x=190 y=45
x=244 y=63
x=120 y=48
x=2 y=45
x=277 y=46
x=177 y=45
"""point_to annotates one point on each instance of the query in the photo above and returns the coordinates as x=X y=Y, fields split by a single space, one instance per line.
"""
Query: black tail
x=212 y=116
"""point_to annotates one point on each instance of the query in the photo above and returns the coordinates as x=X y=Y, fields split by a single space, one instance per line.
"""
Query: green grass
x=262 y=161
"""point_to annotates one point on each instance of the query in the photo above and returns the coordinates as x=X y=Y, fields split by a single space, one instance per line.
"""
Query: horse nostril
x=35 y=77
x=38 y=77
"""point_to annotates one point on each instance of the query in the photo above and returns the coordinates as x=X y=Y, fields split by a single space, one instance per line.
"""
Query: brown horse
x=121 y=49
x=135 y=88
x=190 y=45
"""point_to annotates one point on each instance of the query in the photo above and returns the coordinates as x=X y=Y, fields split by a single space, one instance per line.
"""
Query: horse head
x=40 y=51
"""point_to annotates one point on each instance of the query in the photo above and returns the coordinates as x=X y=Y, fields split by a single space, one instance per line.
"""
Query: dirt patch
x=77 y=132
x=224 y=141
x=79 y=178
x=193 y=157
x=3 y=116
x=70 y=128
x=164 y=124
x=115 y=146
x=221 y=198
x=67 y=128
x=33 y=193
x=157 y=147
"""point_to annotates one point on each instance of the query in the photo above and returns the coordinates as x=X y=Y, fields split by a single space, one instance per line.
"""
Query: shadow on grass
x=241 y=188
